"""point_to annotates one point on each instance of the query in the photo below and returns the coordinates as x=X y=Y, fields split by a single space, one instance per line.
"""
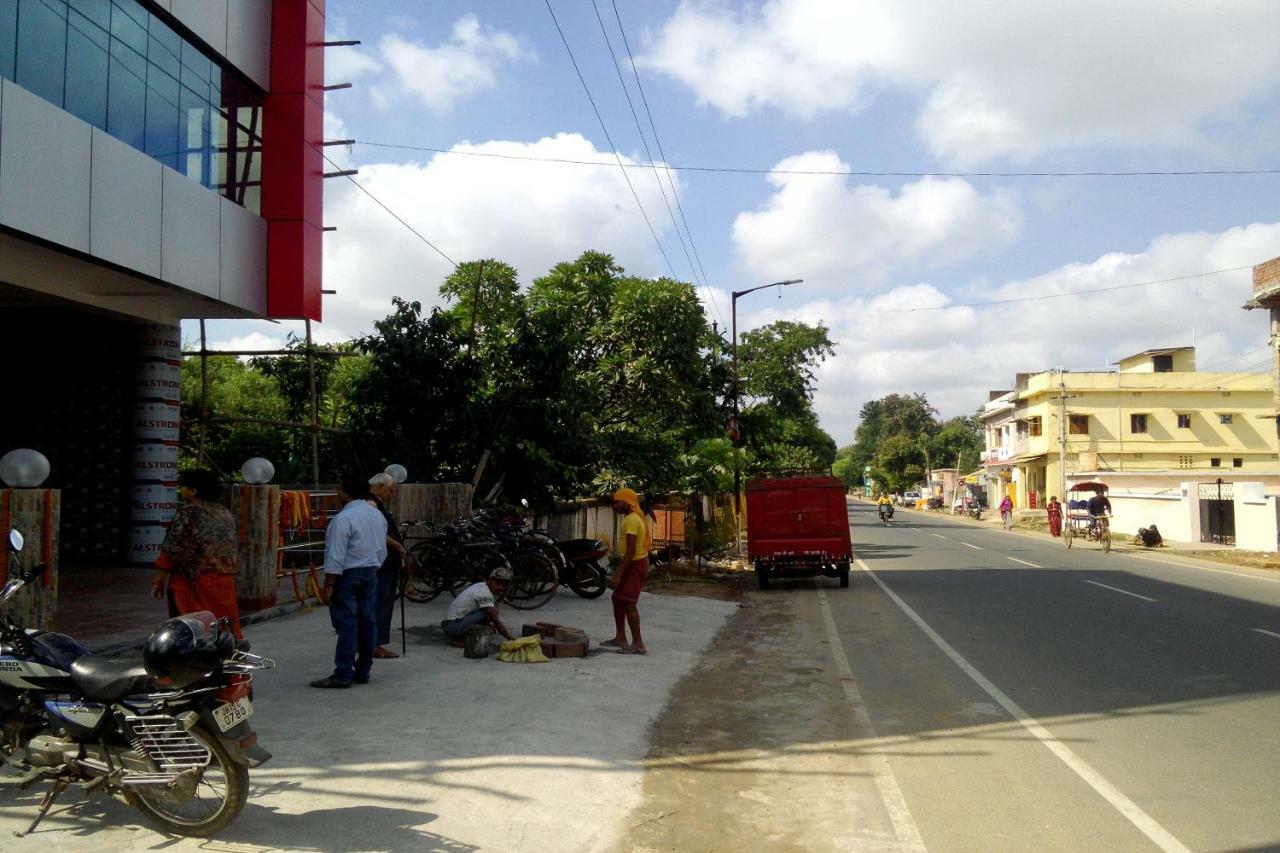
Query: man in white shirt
x=478 y=605
x=355 y=544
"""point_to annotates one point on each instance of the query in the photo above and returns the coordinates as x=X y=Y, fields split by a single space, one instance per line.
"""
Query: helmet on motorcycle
x=187 y=648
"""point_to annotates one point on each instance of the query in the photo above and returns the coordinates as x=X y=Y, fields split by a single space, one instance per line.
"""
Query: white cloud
x=837 y=235
x=441 y=76
x=531 y=215
x=1015 y=81
x=956 y=356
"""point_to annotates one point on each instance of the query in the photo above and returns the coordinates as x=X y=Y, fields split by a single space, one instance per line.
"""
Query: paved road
x=1028 y=697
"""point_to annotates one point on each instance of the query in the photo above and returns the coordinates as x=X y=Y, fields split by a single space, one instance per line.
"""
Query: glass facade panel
x=115 y=65
x=8 y=37
x=87 y=68
x=42 y=48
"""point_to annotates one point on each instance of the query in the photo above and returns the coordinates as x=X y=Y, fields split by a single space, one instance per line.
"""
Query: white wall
x=1171 y=513
x=1255 y=520
x=238 y=30
x=74 y=186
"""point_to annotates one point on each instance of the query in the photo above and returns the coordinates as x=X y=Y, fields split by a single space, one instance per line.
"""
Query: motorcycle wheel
x=219 y=796
x=587 y=581
x=535 y=582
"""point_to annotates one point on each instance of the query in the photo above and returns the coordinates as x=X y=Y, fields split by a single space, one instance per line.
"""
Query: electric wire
x=662 y=155
x=855 y=173
x=693 y=270
x=609 y=139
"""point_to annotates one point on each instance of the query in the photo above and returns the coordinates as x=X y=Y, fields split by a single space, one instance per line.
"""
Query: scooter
x=170 y=735
x=886 y=513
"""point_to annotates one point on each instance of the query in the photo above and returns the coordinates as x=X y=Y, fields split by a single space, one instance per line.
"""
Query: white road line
x=974 y=547
x=1127 y=807
x=1121 y=591
x=939 y=535
x=904 y=826
x=1201 y=568
x=1268 y=633
x=1024 y=562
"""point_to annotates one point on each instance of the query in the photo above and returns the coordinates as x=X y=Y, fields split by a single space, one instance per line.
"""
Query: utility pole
x=737 y=469
x=1062 y=398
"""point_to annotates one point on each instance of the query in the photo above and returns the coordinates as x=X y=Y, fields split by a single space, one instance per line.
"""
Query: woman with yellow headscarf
x=634 y=542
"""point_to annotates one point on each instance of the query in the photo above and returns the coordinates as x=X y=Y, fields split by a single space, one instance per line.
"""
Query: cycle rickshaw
x=1078 y=524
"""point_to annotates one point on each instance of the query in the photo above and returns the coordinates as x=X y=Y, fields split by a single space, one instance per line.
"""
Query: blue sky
x=868 y=85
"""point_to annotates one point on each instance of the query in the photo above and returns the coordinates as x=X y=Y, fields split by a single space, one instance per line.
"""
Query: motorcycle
x=886 y=512
x=582 y=564
x=170 y=736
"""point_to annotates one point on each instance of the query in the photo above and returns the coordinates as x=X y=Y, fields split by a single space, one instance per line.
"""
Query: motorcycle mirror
x=524 y=502
x=15 y=540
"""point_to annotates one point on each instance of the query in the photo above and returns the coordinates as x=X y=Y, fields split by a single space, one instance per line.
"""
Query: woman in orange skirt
x=199 y=555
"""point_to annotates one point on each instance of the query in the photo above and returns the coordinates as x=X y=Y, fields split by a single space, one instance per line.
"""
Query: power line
x=609 y=139
x=653 y=127
x=644 y=142
x=856 y=173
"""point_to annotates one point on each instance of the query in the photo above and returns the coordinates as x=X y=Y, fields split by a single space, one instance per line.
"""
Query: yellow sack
x=524 y=650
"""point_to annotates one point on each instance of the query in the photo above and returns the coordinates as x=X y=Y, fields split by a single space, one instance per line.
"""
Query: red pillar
x=292 y=164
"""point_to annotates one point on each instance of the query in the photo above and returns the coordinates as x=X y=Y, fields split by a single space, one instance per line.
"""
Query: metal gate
x=1217 y=513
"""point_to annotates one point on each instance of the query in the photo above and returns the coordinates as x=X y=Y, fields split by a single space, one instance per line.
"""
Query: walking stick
x=401 y=586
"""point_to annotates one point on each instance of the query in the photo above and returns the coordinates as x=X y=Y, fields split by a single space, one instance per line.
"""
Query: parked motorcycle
x=582 y=564
x=169 y=735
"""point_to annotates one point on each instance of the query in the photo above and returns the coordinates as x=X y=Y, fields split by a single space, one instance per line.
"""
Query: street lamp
x=737 y=471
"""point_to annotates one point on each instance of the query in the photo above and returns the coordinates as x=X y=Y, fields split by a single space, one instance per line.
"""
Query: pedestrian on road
x=477 y=605
x=634 y=542
x=200 y=553
x=383 y=486
x=1055 y=517
x=1006 y=512
x=355 y=546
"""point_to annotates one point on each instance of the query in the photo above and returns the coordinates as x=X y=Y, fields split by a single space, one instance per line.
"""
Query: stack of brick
x=559 y=641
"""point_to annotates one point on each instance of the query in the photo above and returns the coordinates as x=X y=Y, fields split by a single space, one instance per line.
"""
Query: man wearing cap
x=355 y=545
x=478 y=605
x=383 y=487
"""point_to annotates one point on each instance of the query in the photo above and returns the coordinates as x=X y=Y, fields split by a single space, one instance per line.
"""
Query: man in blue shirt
x=355 y=544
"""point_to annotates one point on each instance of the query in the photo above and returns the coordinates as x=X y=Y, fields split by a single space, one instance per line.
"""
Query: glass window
x=1162 y=363
x=1215 y=462
x=1079 y=424
x=1137 y=423
x=118 y=67
x=1237 y=462
x=1225 y=419
x=1184 y=421
x=8 y=37
x=127 y=96
x=87 y=64
x=42 y=48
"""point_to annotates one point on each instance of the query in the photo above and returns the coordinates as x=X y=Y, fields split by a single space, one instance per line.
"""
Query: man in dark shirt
x=383 y=487
x=1099 y=505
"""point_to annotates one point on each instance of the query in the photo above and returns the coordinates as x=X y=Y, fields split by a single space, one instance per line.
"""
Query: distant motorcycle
x=886 y=512
x=169 y=735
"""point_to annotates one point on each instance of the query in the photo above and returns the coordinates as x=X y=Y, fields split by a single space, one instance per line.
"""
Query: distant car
x=910 y=497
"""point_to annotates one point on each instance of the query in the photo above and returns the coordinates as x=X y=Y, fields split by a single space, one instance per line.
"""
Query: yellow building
x=1155 y=422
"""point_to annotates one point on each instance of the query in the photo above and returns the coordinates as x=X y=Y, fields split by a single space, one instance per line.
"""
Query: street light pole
x=737 y=470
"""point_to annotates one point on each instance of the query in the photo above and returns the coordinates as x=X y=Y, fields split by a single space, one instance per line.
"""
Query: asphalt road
x=1031 y=697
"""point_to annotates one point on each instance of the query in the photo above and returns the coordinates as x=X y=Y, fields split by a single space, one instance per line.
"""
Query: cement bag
x=524 y=650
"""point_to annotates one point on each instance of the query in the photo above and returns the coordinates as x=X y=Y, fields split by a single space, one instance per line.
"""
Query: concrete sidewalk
x=438 y=752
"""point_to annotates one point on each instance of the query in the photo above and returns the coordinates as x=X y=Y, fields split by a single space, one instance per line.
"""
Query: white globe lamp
x=24 y=468
x=257 y=471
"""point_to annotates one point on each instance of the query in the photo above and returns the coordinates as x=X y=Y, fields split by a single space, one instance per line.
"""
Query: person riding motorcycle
x=885 y=506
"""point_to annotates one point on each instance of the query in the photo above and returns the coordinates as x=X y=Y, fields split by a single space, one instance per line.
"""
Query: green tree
x=235 y=390
x=898 y=464
x=895 y=415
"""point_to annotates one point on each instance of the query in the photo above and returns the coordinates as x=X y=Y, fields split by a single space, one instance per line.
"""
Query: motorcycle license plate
x=233 y=713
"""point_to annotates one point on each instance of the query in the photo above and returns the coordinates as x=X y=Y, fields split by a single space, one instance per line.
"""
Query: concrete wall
x=1175 y=515
x=1256 y=522
x=74 y=186
x=238 y=30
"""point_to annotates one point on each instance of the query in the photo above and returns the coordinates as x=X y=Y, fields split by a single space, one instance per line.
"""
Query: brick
x=547 y=629
x=570 y=650
x=549 y=646
x=529 y=630
x=572 y=635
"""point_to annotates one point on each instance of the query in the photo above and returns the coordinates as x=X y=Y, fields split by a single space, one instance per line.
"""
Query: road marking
x=904 y=826
x=1199 y=567
x=1127 y=807
x=1119 y=590
x=974 y=547
x=1268 y=633
x=1025 y=563
x=939 y=535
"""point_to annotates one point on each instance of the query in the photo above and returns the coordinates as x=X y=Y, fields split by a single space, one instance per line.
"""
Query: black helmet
x=187 y=648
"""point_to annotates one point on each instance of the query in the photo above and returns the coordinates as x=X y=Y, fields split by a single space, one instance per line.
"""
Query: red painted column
x=292 y=165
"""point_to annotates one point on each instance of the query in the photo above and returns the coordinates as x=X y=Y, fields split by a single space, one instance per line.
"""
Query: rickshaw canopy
x=1088 y=487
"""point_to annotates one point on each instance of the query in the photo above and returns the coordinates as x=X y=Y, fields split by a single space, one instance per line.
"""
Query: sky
x=817 y=101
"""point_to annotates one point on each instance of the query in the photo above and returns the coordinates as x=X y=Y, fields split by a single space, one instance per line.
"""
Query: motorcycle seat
x=106 y=680
x=572 y=548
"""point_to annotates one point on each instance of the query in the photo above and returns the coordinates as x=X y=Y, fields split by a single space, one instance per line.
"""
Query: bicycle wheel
x=1068 y=534
x=535 y=580
x=425 y=578
x=1106 y=540
x=478 y=563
